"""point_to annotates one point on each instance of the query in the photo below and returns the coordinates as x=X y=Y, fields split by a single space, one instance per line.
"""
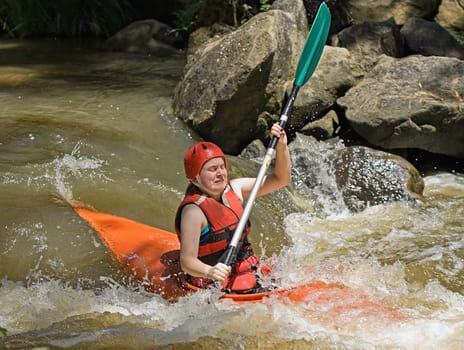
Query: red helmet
x=197 y=155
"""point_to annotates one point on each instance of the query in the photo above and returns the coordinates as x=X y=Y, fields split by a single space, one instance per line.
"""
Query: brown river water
x=97 y=126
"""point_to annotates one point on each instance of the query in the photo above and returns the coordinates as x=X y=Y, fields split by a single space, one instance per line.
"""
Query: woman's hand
x=278 y=132
x=218 y=272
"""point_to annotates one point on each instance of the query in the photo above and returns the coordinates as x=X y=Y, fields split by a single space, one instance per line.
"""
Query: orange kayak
x=151 y=256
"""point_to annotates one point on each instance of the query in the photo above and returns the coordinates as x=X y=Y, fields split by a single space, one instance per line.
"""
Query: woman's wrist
x=208 y=272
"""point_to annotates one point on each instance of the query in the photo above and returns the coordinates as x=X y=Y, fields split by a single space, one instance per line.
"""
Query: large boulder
x=413 y=102
x=368 y=177
x=428 y=38
x=236 y=80
x=356 y=176
x=232 y=79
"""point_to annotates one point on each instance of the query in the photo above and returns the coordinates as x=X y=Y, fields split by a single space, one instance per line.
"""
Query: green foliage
x=97 y=17
x=249 y=8
x=78 y=18
x=3 y=332
x=247 y=12
x=265 y=5
x=187 y=15
x=22 y=18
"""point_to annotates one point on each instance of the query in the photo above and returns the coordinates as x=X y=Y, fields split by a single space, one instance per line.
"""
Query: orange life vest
x=223 y=218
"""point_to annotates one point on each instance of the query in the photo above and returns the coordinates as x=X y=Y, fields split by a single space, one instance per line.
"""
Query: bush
x=193 y=14
x=76 y=18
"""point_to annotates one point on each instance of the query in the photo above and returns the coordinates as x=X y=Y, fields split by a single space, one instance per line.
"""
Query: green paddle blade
x=314 y=46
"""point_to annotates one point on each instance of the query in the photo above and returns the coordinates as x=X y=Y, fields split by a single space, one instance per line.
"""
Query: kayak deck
x=148 y=254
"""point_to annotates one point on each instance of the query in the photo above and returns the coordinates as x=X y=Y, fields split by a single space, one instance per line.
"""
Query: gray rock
x=413 y=102
x=146 y=37
x=369 y=177
x=358 y=176
x=430 y=39
x=367 y=41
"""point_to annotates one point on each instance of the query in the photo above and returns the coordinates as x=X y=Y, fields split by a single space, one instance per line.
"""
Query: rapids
x=97 y=127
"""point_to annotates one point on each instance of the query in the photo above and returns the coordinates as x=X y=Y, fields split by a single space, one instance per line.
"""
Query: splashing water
x=74 y=164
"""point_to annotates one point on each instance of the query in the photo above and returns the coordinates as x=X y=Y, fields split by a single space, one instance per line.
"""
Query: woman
x=211 y=209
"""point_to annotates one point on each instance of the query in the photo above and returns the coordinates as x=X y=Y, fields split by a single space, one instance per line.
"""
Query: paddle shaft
x=231 y=252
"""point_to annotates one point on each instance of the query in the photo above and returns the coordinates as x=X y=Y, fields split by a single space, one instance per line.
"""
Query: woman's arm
x=192 y=222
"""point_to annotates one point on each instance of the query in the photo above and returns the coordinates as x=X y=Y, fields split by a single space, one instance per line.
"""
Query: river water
x=97 y=127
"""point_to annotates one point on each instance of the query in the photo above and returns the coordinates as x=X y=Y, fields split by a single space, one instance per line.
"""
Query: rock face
x=414 y=102
x=380 y=76
x=373 y=79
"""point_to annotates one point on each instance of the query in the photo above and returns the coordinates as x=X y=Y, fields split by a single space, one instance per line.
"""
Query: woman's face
x=213 y=177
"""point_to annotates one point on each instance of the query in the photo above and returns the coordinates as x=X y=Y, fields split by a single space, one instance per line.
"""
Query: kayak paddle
x=307 y=64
